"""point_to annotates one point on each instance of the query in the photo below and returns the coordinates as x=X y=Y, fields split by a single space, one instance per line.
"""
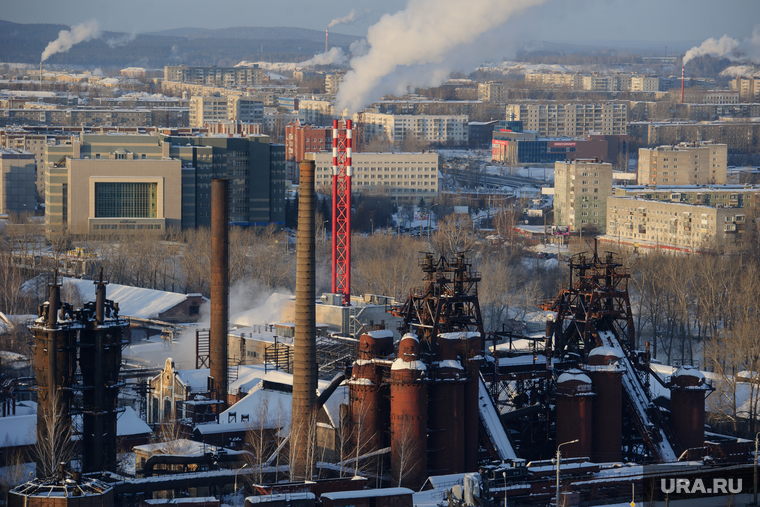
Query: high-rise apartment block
x=215 y=76
x=581 y=188
x=204 y=109
x=437 y=129
x=570 y=119
x=493 y=92
x=748 y=88
x=684 y=164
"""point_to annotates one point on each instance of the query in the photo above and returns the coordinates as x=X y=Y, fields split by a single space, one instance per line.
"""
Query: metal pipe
x=220 y=286
x=305 y=354
x=559 y=458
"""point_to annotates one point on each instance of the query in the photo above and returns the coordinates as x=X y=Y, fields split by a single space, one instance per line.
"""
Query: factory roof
x=133 y=301
x=130 y=424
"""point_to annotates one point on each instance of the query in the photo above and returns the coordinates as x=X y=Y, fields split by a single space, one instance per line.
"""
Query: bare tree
x=54 y=444
x=407 y=454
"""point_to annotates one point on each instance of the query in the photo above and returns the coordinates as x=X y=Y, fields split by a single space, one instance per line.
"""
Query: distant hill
x=24 y=43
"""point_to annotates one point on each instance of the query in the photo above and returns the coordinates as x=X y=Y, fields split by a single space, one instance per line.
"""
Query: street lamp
x=504 y=473
x=559 y=457
x=235 y=492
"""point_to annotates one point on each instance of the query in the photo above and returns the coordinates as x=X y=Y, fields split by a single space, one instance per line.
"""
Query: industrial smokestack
x=327 y=33
x=220 y=286
x=682 y=78
x=305 y=361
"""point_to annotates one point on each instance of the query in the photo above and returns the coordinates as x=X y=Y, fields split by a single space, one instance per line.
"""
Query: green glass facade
x=126 y=200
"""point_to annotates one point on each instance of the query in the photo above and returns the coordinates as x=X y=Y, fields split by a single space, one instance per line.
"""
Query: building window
x=126 y=200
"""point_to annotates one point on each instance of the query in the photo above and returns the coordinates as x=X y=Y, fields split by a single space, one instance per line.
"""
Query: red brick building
x=302 y=139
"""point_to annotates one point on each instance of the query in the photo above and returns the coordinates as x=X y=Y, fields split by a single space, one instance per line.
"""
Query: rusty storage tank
x=687 y=406
x=409 y=415
x=62 y=492
x=446 y=407
x=473 y=348
x=368 y=396
x=607 y=378
x=575 y=400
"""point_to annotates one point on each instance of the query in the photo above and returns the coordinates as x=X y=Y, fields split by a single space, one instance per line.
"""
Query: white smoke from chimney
x=344 y=20
x=728 y=47
x=713 y=47
x=66 y=39
x=335 y=56
x=422 y=45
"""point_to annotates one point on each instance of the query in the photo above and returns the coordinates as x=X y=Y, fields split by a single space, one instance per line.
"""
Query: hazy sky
x=566 y=20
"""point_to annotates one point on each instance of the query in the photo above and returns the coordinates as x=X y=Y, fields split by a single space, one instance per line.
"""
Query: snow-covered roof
x=129 y=424
x=459 y=335
x=574 y=375
x=133 y=301
x=380 y=333
x=263 y=406
x=400 y=364
x=367 y=493
x=196 y=379
x=604 y=352
x=18 y=430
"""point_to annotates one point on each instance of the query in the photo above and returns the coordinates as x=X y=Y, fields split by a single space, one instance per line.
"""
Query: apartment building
x=748 y=88
x=644 y=84
x=581 y=189
x=217 y=108
x=555 y=119
x=87 y=117
x=554 y=80
x=302 y=139
x=681 y=218
x=699 y=163
x=18 y=189
x=599 y=83
x=436 y=129
x=332 y=82
x=316 y=111
x=160 y=181
x=215 y=76
x=493 y=92
x=740 y=135
x=400 y=176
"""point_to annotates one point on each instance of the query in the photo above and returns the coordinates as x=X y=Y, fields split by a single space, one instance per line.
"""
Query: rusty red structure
x=88 y=341
x=342 y=139
x=575 y=406
x=606 y=376
x=220 y=288
x=687 y=406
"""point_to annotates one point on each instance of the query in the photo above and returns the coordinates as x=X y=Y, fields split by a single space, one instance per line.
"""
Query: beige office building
x=701 y=163
x=401 y=176
x=680 y=218
x=113 y=195
x=555 y=119
x=581 y=188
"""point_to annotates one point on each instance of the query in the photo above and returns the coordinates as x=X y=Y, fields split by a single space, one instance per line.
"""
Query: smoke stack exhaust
x=305 y=360
x=327 y=32
x=220 y=286
x=682 y=79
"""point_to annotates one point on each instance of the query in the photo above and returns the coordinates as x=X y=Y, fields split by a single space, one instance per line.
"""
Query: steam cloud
x=121 y=40
x=335 y=56
x=728 y=47
x=344 y=20
x=66 y=39
x=422 y=45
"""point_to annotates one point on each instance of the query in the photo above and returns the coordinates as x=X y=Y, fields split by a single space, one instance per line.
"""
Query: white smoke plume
x=335 y=56
x=121 y=40
x=67 y=38
x=728 y=47
x=423 y=44
x=344 y=20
